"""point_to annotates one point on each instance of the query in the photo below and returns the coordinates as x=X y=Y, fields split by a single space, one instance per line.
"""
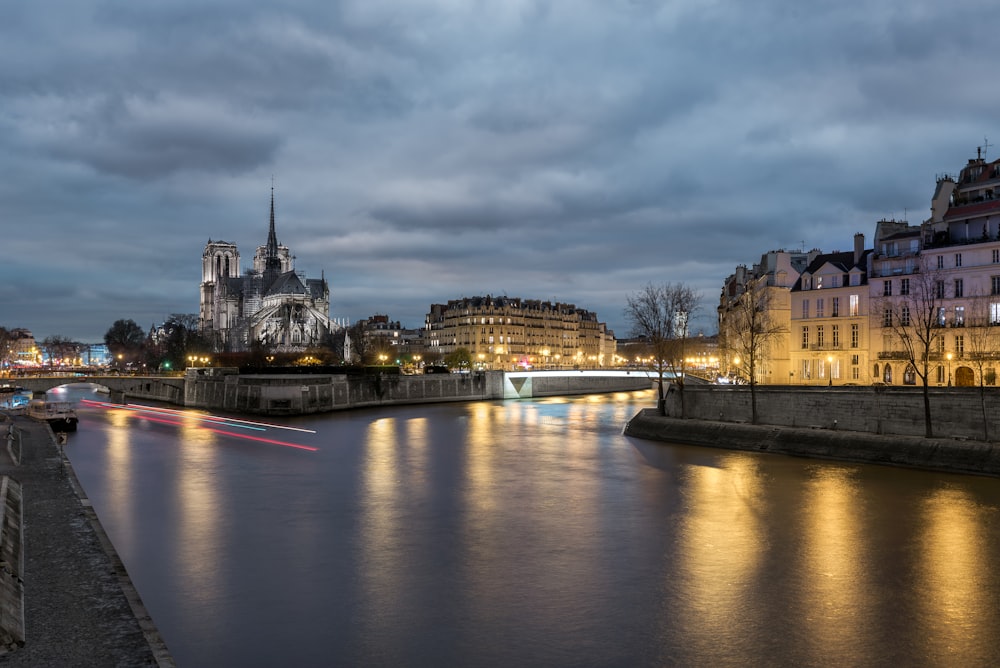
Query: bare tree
x=982 y=342
x=912 y=322
x=748 y=328
x=660 y=314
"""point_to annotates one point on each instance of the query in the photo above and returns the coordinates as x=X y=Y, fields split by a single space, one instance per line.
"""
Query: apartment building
x=509 y=332
x=830 y=319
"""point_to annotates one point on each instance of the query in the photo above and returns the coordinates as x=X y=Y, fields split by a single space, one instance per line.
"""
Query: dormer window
x=819 y=282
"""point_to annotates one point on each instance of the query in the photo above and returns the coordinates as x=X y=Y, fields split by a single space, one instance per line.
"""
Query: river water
x=532 y=533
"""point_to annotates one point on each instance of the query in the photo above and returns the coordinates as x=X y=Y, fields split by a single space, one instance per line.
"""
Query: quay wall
x=303 y=394
x=935 y=454
x=956 y=412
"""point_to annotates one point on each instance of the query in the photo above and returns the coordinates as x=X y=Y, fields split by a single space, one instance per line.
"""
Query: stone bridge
x=157 y=388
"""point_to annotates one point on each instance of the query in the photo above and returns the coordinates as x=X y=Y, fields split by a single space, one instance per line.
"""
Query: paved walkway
x=80 y=608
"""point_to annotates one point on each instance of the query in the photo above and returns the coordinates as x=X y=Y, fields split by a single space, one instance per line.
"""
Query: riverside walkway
x=79 y=606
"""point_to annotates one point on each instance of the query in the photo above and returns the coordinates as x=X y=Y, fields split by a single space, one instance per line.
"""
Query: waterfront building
x=830 y=319
x=948 y=266
x=773 y=276
x=510 y=332
x=855 y=317
x=22 y=349
x=270 y=304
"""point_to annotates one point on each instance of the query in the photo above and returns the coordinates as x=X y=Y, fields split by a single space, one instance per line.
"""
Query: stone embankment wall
x=223 y=389
x=937 y=454
x=955 y=412
x=296 y=395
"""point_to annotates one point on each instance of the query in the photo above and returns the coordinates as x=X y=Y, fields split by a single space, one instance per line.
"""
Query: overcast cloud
x=433 y=149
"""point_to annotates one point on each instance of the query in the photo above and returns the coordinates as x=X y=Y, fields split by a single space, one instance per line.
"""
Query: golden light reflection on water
x=119 y=477
x=720 y=551
x=835 y=603
x=381 y=522
x=958 y=602
x=198 y=501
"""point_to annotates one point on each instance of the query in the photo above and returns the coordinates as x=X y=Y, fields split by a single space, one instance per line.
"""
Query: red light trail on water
x=163 y=415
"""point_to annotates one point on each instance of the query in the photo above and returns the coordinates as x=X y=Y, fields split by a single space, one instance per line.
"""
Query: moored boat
x=14 y=398
x=60 y=415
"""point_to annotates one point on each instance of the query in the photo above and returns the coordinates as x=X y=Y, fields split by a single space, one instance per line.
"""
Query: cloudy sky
x=426 y=150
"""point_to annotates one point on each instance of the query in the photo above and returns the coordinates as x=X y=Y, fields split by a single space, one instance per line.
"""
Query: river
x=532 y=533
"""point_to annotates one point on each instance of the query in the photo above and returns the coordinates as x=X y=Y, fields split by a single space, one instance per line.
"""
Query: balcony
x=893 y=355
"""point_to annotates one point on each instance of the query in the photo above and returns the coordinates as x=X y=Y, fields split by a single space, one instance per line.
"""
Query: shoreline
x=931 y=454
x=79 y=605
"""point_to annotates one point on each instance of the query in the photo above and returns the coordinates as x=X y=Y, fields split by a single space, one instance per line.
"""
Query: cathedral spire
x=272 y=261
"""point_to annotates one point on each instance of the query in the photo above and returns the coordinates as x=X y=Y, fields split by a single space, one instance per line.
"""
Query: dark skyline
x=428 y=151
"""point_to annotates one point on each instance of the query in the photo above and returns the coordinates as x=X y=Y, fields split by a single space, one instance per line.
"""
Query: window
x=910 y=376
x=904 y=286
x=887 y=318
x=835 y=281
x=995 y=285
x=835 y=336
x=819 y=336
x=875 y=373
x=940 y=375
x=835 y=369
x=940 y=345
x=854 y=306
x=855 y=279
x=806 y=369
x=996 y=256
x=855 y=373
x=805 y=338
x=941 y=316
x=959 y=316
x=805 y=308
x=959 y=288
x=940 y=260
x=835 y=307
x=939 y=288
x=959 y=345
x=886 y=288
x=819 y=282
x=855 y=359
x=904 y=315
x=990 y=376
x=958 y=259
x=819 y=308
x=887 y=375
x=995 y=313
x=855 y=336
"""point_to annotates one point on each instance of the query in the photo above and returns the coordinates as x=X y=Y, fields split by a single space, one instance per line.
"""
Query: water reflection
x=834 y=600
x=720 y=554
x=958 y=599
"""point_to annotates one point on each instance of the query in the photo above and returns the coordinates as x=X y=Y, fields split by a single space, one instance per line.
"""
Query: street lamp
x=949 y=356
x=829 y=362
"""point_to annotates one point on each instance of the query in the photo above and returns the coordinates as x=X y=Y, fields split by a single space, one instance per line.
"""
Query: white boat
x=60 y=415
x=12 y=397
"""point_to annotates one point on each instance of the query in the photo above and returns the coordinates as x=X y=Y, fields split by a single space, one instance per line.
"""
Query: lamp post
x=949 y=356
x=829 y=362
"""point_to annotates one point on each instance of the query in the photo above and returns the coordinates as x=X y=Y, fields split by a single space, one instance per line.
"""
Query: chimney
x=859 y=247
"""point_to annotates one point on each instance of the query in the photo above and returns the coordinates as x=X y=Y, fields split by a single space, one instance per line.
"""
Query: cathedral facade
x=270 y=305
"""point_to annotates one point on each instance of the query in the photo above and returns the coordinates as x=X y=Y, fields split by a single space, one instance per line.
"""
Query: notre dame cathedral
x=271 y=303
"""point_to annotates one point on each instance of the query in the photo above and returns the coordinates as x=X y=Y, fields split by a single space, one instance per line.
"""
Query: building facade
x=270 y=304
x=924 y=294
x=510 y=332
x=830 y=319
